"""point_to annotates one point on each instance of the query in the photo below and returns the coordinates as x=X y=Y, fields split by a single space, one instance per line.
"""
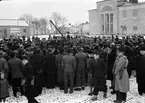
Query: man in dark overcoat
x=49 y=70
x=139 y=65
x=60 y=71
x=37 y=63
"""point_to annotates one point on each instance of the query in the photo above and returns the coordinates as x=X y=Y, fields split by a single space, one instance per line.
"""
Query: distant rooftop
x=12 y=22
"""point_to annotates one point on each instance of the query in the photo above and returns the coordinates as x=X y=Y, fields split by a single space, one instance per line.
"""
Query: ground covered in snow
x=57 y=96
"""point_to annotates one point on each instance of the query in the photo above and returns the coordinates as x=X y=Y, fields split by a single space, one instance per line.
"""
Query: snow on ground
x=57 y=96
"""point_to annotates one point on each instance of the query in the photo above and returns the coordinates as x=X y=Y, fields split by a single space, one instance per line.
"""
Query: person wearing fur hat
x=139 y=66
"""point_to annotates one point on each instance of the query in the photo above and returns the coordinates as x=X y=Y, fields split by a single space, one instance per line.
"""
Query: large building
x=117 y=17
x=13 y=27
x=83 y=28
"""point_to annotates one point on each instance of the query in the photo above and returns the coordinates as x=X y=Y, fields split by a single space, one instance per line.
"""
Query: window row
x=135 y=28
x=134 y=13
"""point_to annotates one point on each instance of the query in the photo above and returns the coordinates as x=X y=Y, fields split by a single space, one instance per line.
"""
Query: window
x=107 y=23
x=124 y=14
x=135 y=28
x=111 y=23
x=111 y=18
x=124 y=28
x=24 y=30
x=102 y=16
x=135 y=13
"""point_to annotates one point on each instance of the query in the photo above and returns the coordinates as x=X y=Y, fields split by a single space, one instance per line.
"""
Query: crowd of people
x=71 y=63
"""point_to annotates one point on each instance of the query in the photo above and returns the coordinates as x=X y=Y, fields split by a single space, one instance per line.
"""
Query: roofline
x=92 y=10
x=13 y=26
x=102 y=1
x=13 y=19
x=133 y=4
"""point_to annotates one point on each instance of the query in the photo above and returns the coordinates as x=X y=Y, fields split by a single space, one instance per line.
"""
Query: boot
x=105 y=95
x=90 y=94
x=94 y=98
x=124 y=95
x=117 y=98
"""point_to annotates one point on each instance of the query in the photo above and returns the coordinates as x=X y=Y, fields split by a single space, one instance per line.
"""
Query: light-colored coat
x=121 y=85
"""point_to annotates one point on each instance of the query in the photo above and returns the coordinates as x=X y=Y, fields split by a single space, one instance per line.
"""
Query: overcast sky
x=76 y=11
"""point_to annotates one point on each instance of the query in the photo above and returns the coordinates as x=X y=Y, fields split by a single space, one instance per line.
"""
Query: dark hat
x=121 y=49
x=142 y=48
x=49 y=50
x=90 y=51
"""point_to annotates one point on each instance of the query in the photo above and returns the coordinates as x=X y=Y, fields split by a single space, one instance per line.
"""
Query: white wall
x=93 y=22
x=130 y=21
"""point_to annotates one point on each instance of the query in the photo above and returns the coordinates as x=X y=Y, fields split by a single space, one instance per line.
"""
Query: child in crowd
x=99 y=74
x=4 y=86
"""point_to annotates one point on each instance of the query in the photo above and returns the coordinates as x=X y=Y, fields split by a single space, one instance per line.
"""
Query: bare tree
x=37 y=25
x=28 y=18
x=43 y=23
x=58 y=20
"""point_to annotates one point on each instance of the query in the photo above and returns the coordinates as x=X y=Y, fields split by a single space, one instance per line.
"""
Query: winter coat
x=139 y=66
x=49 y=64
x=4 y=67
x=81 y=61
x=4 y=88
x=120 y=65
x=99 y=71
x=28 y=74
x=16 y=68
x=37 y=61
x=59 y=67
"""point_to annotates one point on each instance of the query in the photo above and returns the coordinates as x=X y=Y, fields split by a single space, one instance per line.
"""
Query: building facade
x=12 y=27
x=83 y=28
x=117 y=17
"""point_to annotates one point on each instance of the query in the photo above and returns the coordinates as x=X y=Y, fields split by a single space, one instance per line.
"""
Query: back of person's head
x=37 y=51
x=12 y=55
x=61 y=50
x=121 y=49
x=1 y=53
x=24 y=57
x=68 y=51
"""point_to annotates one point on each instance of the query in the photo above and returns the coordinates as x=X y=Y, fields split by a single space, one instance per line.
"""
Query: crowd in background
x=71 y=62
